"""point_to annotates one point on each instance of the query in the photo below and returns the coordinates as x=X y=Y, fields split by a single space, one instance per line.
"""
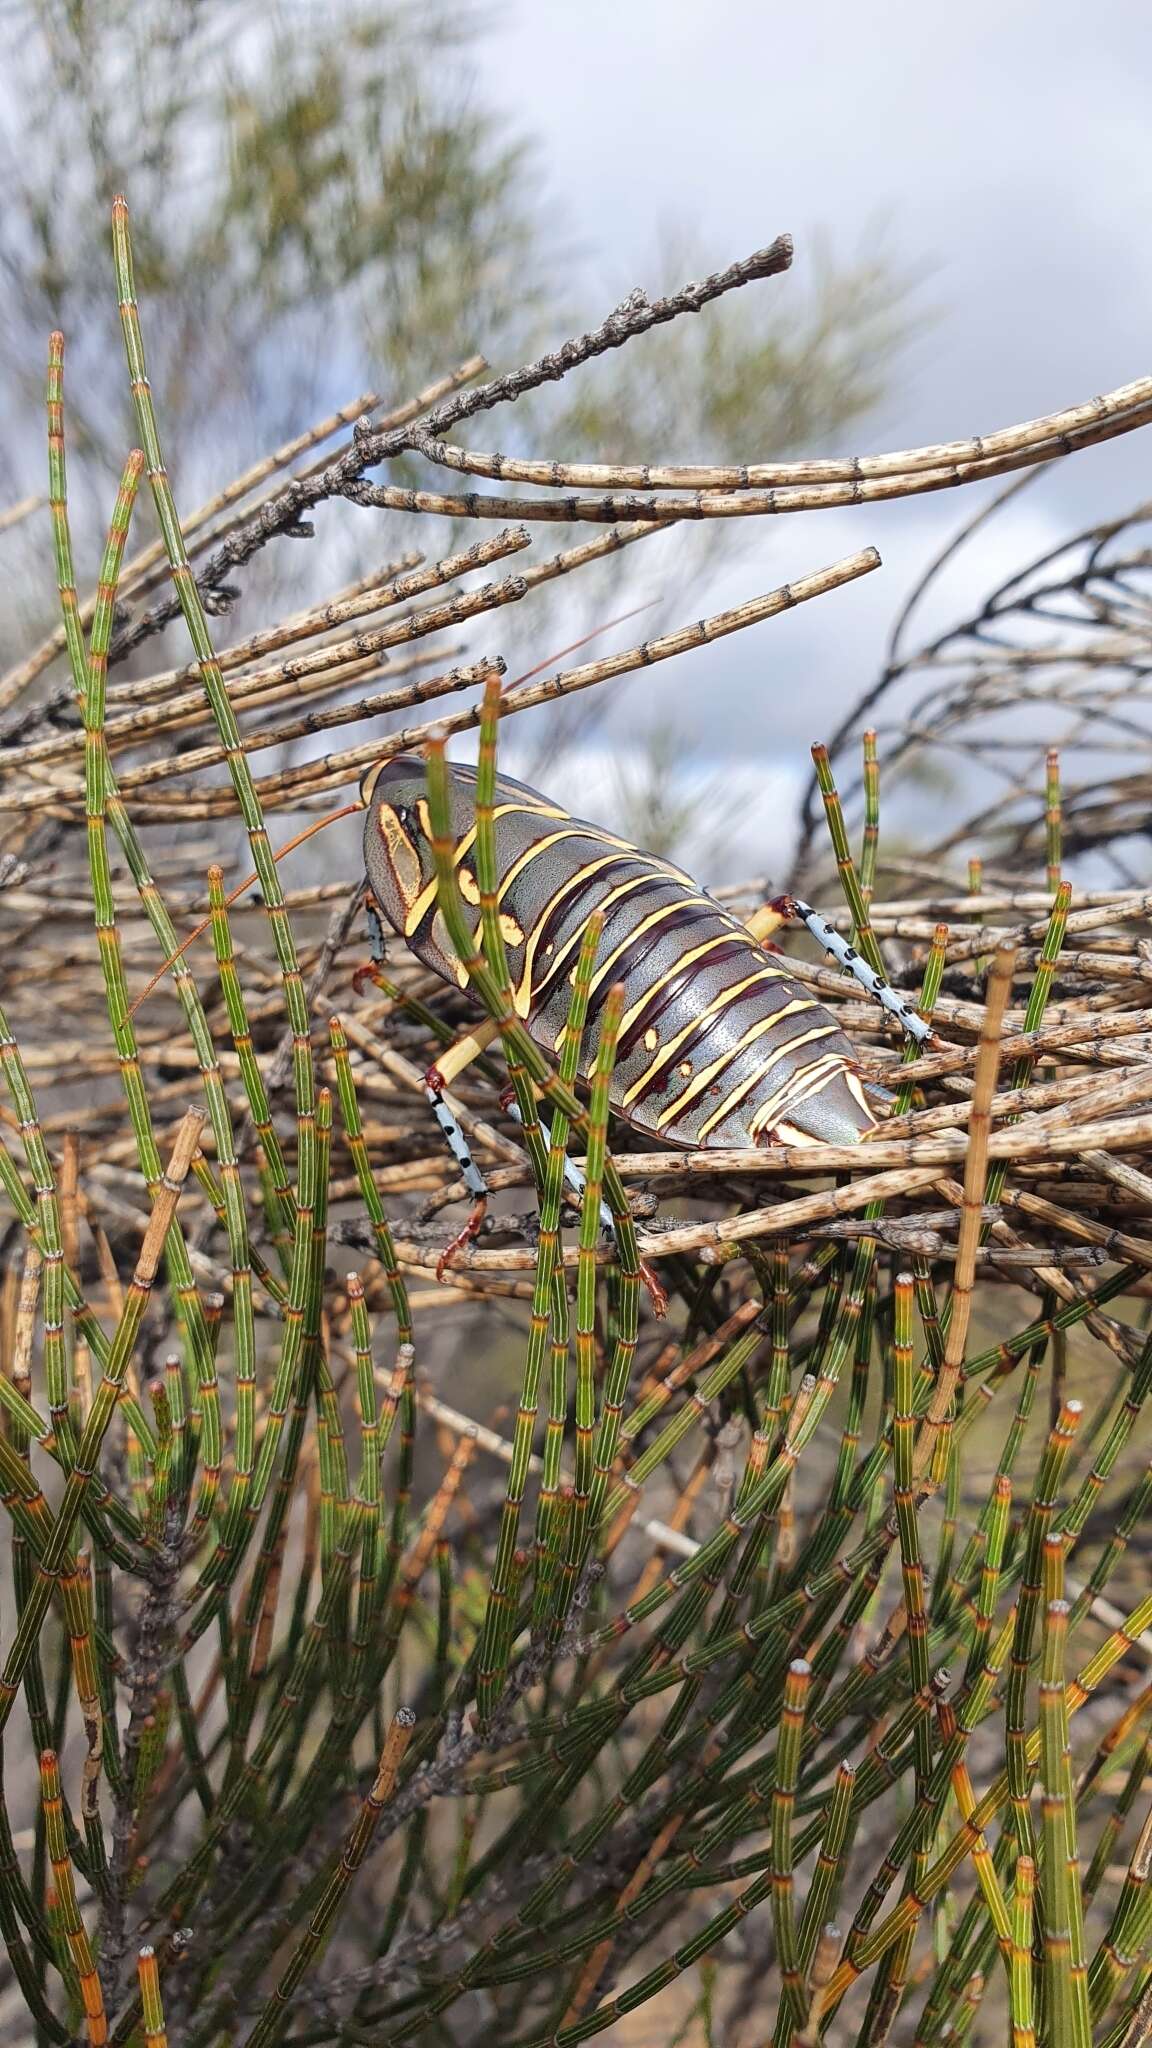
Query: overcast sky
x=1004 y=147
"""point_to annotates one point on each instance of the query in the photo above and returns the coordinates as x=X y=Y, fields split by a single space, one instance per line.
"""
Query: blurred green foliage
x=325 y=201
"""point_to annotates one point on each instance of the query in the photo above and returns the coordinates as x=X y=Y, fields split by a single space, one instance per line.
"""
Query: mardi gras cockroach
x=720 y=1045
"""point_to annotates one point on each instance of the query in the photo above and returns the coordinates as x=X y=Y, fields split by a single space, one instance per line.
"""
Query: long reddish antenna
x=574 y=646
x=346 y=810
x=290 y=846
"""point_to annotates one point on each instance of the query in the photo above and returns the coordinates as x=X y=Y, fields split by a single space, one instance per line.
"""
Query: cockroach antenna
x=309 y=832
x=348 y=810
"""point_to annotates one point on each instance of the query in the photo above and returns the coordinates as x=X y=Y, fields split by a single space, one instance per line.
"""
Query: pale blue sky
x=1004 y=146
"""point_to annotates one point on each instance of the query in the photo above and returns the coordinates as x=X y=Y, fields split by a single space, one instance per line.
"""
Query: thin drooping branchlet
x=57 y=1548
x=278 y=2012
x=102 y=800
x=196 y=621
x=1053 y=816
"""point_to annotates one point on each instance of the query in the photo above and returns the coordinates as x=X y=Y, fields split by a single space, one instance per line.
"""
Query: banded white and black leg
x=907 y=1016
x=450 y=1063
x=370 y=970
x=573 y=1177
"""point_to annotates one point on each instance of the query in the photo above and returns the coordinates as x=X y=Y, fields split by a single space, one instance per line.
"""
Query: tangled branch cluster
x=725 y=1644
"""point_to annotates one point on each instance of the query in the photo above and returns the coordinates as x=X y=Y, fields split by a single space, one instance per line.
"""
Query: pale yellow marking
x=420 y=907
x=684 y=1068
x=796 y=1098
x=707 y=1074
x=651 y=1040
x=368 y=783
x=791 y=1134
x=442 y=938
x=686 y=960
x=855 y=1088
x=424 y=816
x=736 y=1095
x=581 y=876
x=718 y=1004
x=456 y=1057
x=511 y=929
x=764 y=922
x=469 y=887
x=797 y=1089
x=811 y=1080
x=646 y=923
x=600 y=838
x=403 y=857
x=572 y=945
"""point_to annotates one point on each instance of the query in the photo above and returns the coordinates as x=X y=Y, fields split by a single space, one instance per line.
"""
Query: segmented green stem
x=196 y=620
x=278 y=2012
x=585 y=1327
x=369 y=1195
x=864 y=938
x=1041 y=1512
x=72 y=1925
x=102 y=799
x=1020 y=1979
x=57 y=1548
x=870 y=842
x=238 y=1025
x=1052 y=815
x=550 y=1295
x=1065 y=1966
x=789 y=1742
x=147 y=1969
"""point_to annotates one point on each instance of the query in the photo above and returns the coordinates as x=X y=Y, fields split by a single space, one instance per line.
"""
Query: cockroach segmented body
x=720 y=1045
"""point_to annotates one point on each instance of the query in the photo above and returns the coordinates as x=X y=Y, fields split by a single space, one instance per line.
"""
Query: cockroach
x=720 y=1044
